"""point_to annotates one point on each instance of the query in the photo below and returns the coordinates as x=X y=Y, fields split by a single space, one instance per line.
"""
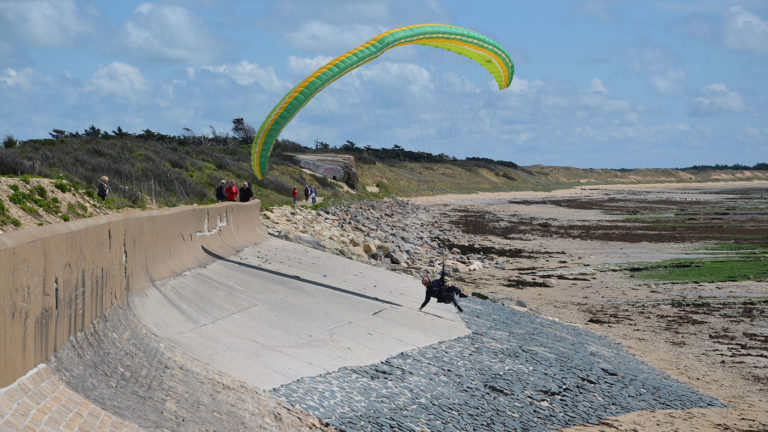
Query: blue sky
x=600 y=84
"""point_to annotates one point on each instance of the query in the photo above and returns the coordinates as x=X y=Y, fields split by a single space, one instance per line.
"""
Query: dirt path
x=566 y=244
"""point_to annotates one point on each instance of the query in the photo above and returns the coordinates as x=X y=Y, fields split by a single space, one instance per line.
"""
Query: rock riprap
x=515 y=371
x=400 y=235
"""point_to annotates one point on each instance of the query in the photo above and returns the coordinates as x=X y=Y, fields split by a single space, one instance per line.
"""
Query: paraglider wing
x=477 y=47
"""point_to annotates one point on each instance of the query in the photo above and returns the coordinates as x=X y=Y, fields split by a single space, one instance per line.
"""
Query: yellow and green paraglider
x=468 y=43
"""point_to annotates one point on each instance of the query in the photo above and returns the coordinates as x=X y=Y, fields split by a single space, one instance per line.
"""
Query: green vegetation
x=80 y=210
x=5 y=216
x=37 y=195
x=10 y=142
x=151 y=169
x=29 y=209
x=62 y=186
x=743 y=262
x=731 y=247
x=34 y=198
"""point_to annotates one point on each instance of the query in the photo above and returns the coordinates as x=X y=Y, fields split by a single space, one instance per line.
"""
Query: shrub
x=52 y=206
x=62 y=186
x=29 y=209
x=5 y=216
x=79 y=209
x=40 y=190
x=11 y=163
x=10 y=142
x=18 y=197
x=65 y=217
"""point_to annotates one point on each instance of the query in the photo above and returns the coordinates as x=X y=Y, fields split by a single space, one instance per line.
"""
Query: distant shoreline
x=578 y=190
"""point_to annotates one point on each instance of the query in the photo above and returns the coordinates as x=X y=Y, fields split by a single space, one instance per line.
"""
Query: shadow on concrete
x=298 y=278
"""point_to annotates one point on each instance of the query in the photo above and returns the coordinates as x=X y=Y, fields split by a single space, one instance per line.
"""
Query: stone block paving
x=41 y=402
x=516 y=371
x=122 y=366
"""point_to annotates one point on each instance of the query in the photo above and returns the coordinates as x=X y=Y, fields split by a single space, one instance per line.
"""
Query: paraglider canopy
x=485 y=51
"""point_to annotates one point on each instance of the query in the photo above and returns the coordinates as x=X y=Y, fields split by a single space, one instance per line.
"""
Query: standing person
x=221 y=194
x=295 y=194
x=103 y=188
x=246 y=194
x=313 y=194
x=232 y=191
x=441 y=291
x=306 y=193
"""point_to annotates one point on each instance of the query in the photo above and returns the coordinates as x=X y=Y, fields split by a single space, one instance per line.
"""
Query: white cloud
x=659 y=65
x=380 y=79
x=596 y=86
x=284 y=14
x=169 y=33
x=630 y=118
x=746 y=31
x=304 y=66
x=245 y=73
x=380 y=86
x=650 y=57
x=396 y=74
x=716 y=98
x=22 y=79
x=318 y=36
x=704 y=27
x=144 y=8
x=750 y=134
x=669 y=82
x=597 y=97
x=42 y=22
x=524 y=137
x=521 y=86
x=601 y=10
x=118 y=80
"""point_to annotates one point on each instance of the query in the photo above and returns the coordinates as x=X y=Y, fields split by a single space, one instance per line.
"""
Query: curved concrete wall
x=56 y=279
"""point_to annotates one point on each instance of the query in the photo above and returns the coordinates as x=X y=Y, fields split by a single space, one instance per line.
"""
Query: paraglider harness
x=443 y=292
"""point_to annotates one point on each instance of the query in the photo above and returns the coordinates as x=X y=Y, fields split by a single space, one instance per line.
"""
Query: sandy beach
x=712 y=336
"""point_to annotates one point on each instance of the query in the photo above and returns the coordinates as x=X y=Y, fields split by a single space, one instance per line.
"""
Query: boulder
x=386 y=248
x=397 y=257
x=476 y=265
x=369 y=247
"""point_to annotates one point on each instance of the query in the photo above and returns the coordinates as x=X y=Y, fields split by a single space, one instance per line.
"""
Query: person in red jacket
x=295 y=194
x=232 y=191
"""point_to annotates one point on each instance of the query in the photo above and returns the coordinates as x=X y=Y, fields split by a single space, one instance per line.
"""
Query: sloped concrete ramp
x=279 y=311
x=329 y=338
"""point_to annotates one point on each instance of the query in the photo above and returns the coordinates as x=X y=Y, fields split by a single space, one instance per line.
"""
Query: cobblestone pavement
x=41 y=402
x=124 y=368
x=516 y=371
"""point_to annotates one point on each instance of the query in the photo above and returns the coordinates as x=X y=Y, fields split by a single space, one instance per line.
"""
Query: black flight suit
x=442 y=292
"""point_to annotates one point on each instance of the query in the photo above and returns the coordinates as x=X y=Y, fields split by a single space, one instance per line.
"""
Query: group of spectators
x=437 y=288
x=226 y=193
x=309 y=192
x=232 y=193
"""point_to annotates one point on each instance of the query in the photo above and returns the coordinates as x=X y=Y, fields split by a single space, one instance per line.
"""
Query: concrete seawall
x=55 y=280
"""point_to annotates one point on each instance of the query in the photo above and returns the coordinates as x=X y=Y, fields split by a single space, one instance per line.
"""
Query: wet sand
x=563 y=248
